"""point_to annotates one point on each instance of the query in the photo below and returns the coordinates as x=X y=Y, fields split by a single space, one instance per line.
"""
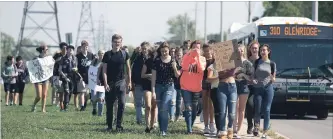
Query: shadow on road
x=284 y=117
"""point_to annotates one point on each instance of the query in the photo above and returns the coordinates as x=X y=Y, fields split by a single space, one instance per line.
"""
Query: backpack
x=272 y=63
x=122 y=52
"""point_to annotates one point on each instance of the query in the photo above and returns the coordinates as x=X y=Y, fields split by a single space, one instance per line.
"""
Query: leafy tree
x=7 y=43
x=177 y=29
x=299 y=9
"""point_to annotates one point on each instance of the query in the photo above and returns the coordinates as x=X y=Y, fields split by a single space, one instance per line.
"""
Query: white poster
x=92 y=80
x=40 y=69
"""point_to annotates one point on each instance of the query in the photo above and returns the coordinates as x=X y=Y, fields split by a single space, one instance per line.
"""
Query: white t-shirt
x=215 y=83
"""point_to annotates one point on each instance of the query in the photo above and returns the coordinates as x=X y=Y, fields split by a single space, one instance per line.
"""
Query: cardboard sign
x=92 y=80
x=226 y=55
x=40 y=69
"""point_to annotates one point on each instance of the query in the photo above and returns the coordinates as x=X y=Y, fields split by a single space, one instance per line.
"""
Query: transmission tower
x=28 y=13
x=86 y=25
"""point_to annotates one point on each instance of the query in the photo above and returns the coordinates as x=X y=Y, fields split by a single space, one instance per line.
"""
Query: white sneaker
x=236 y=136
x=206 y=130
x=212 y=128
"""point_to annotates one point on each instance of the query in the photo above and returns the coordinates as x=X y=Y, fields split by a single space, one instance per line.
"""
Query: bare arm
x=153 y=80
x=60 y=72
x=105 y=78
x=129 y=72
x=143 y=72
x=210 y=77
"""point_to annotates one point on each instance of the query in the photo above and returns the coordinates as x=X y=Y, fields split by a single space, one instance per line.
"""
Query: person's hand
x=107 y=88
x=272 y=78
x=129 y=85
x=254 y=81
x=74 y=69
x=68 y=80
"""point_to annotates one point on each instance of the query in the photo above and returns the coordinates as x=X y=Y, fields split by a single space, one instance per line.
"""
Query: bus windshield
x=299 y=53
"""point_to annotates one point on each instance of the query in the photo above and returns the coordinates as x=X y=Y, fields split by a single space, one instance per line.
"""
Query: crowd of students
x=162 y=79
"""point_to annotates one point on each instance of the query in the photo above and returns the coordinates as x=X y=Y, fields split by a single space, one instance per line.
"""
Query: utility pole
x=86 y=26
x=196 y=22
x=185 y=30
x=27 y=11
x=315 y=11
x=249 y=12
x=205 y=29
x=221 y=23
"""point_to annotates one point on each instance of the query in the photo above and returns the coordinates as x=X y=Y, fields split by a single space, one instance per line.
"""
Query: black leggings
x=250 y=108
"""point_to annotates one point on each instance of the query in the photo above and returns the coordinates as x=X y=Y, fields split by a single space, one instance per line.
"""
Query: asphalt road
x=306 y=128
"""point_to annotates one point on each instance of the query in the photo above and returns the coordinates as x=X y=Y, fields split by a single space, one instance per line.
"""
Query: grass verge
x=18 y=122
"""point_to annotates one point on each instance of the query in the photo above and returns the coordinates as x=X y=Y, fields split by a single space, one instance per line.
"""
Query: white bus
x=303 y=52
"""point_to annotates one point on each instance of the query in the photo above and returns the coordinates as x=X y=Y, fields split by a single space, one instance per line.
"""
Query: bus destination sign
x=296 y=31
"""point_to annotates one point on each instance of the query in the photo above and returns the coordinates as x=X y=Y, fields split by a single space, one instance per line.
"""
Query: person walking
x=193 y=66
x=114 y=62
x=263 y=79
x=162 y=84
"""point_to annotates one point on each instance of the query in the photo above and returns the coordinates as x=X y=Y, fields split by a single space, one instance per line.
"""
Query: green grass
x=18 y=122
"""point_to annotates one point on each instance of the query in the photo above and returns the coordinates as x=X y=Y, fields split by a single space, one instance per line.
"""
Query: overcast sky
x=135 y=21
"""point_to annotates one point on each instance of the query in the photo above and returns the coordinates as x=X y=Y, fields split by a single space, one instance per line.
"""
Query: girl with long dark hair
x=263 y=77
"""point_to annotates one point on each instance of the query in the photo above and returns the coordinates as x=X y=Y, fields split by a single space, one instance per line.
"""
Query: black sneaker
x=147 y=130
x=249 y=130
x=119 y=128
x=20 y=104
x=82 y=108
x=256 y=131
x=108 y=129
x=94 y=112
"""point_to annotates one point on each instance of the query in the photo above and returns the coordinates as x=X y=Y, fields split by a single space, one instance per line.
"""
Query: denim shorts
x=242 y=87
x=11 y=88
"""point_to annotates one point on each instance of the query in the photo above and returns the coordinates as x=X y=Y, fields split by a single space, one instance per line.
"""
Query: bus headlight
x=331 y=86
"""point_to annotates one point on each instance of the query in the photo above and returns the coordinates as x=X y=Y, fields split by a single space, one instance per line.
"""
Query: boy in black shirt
x=67 y=69
x=114 y=62
x=84 y=60
x=56 y=83
x=22 y=71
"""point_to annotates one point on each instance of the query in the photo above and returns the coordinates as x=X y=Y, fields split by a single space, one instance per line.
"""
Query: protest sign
x=92 y=80
x=40 y=69
x=226 y=55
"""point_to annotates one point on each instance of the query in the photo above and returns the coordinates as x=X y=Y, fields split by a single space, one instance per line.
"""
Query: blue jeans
x=191 y=100
x=178 y=102
x=138 y=99
x=163 y=98
x=263 y=97
x=172 y=105
x=226 y=99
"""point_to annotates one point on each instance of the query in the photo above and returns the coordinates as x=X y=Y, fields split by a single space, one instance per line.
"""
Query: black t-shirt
x=208 y=63
x=83 y=63
x=56 y=64
x=164 y=71
x=136 y=68
x=22 y=72
x=116 y=62
x=146 y=83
